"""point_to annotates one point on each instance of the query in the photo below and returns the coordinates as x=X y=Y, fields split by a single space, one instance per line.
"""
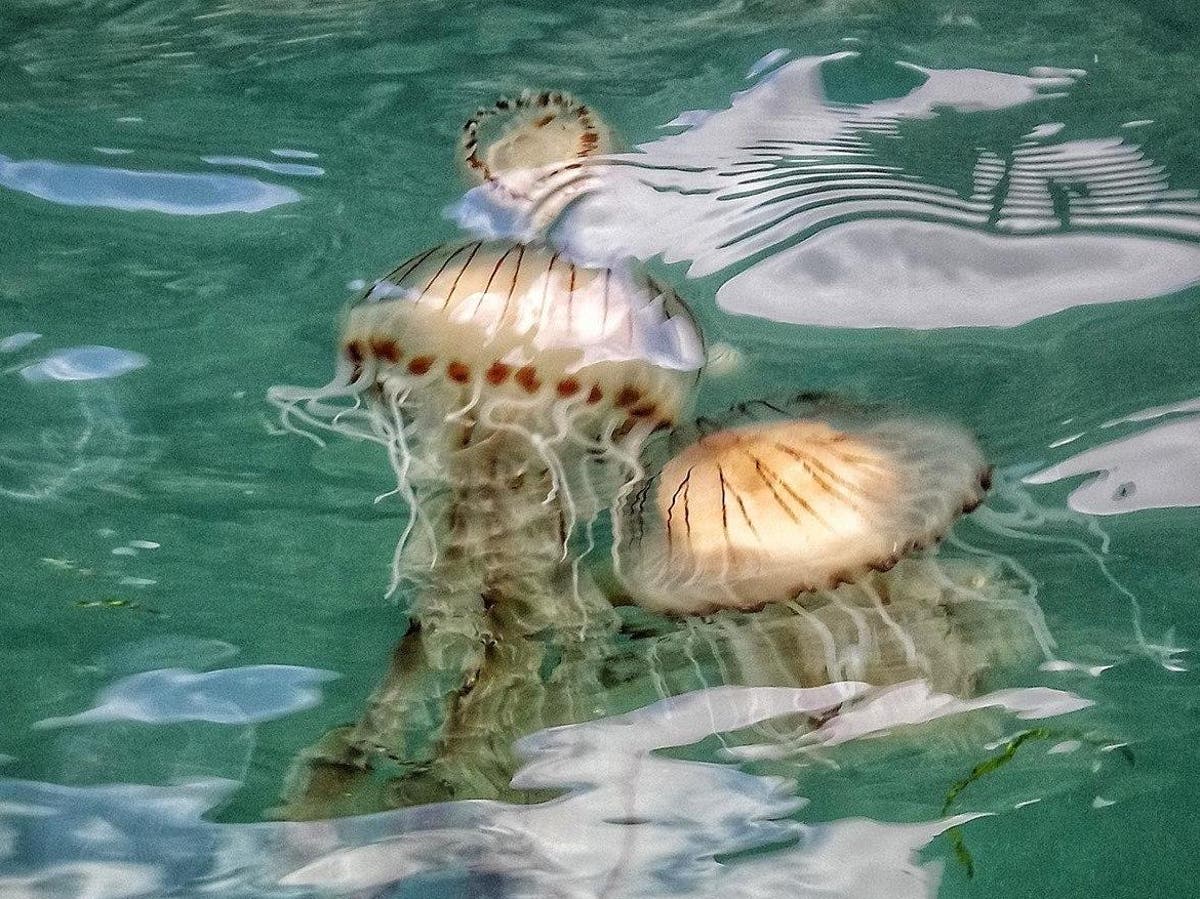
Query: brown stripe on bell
x=386 y=349
x=627 y=396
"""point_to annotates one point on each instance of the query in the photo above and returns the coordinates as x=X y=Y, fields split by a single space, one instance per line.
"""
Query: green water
x=271 y=551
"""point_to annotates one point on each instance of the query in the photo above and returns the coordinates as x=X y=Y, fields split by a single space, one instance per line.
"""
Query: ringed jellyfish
x=513 y=391
x=788 y=541
x=527 y=159
x=531 y=132
x=472 y=363
x=765 y=511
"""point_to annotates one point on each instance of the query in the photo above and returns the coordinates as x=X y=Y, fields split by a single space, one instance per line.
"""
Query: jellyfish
x=765 y=511
x=476 y=363
x=526 y=159
x=513 y=391
x=789 y=543
x=533 y=131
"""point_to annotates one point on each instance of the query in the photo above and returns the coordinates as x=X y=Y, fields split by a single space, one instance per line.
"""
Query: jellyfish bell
x=484 y=354
x=766 y=511
x=526 y=159
x=516 y=333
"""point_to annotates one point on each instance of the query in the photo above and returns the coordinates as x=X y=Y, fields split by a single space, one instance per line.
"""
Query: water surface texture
x=985 y=211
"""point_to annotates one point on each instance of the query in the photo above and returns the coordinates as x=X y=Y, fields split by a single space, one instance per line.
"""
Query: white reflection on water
x=915 y=703
x=1154 y=469
x=20 y=340
x=244 y=695
x=632 y=824
x=174 y=193
x=857 y=215
x=279 y=168
x=83 y=363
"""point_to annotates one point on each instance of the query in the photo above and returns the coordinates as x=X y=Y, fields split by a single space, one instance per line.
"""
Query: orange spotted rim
x=551 y=104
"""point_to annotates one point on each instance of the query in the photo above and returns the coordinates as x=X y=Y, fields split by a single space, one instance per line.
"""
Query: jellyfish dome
x=477 y=358
x=766 y=511
x=522 y=337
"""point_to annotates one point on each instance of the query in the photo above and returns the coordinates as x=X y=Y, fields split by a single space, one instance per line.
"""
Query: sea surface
x=981 y=210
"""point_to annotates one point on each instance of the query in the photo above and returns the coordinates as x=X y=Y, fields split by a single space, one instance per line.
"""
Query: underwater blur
x=743 y=449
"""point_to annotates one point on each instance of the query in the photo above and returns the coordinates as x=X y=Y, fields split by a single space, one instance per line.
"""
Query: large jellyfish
x=513 y=391
x=788 y=541
x=488 y=365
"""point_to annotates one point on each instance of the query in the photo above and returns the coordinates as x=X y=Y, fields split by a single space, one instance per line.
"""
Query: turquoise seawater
x=981 y=210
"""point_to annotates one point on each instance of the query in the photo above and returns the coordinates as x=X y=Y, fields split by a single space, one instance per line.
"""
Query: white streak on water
x=83 y=363
x=278 y=168
x=173 y=193
x=20 y=340
x=1154 y=469
x=1156 y=412
x=632 y=823
x=243 y=695
x=915 y=703
x=766 y=62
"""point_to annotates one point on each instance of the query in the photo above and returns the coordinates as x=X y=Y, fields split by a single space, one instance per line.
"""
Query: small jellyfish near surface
x=531 y=132
x=526 y=159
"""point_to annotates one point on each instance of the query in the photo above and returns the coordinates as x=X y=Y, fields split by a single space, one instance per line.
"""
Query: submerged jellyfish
x=765 y=511
x=513 y=391
x=783 y=544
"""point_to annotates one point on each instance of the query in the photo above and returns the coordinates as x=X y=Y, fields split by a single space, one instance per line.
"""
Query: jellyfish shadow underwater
x=575 y=546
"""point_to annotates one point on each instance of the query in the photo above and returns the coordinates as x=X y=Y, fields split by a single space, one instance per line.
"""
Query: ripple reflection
x=173 y=193
x=632 y=823
x=871 y=214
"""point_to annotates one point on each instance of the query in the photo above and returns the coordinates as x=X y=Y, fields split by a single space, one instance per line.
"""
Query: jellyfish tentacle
x=1028 y=606
x=825 y=635
x=906 y=641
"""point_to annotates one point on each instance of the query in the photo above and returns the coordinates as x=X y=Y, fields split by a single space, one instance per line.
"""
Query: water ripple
x=633 y=823
x=1154 y=469
x=822 y=213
